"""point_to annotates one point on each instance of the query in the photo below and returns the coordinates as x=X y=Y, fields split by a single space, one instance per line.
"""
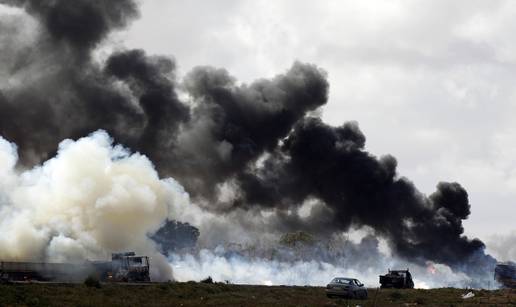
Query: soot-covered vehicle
x=400 y=279
x=348 y=287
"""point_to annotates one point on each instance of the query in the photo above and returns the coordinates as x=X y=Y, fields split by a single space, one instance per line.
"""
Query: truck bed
x=12 y=270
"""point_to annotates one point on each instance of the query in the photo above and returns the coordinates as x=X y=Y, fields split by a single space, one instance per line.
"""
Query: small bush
x=208 y=280
x=33 y=301
x=396 y=296
x=420 y=300
x=92 y=282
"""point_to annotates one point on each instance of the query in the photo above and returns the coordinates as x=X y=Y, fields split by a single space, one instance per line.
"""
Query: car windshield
x=337 y=280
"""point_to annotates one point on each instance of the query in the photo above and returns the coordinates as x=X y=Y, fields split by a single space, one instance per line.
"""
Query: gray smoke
x=252 y=155
x=312 y=263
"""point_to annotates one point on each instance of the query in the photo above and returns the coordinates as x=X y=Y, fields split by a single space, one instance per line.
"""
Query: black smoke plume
x=234 y=125
x=330 y=164
x=260 y=137
x=80 y=24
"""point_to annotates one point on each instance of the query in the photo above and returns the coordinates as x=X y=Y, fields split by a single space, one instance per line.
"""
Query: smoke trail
x=91 y=199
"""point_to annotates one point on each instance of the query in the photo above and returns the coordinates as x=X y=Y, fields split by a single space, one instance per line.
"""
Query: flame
x=430 y=268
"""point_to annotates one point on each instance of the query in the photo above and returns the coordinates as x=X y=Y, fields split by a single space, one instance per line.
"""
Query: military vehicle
x=400 y=279
x=123 y=267
x=505 y=274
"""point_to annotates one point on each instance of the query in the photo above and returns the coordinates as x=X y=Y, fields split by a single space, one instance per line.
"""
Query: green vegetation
x=218 y=294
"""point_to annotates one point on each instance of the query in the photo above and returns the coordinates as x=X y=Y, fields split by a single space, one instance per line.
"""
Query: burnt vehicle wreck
x=123 y=267
x=505 y=274
x=400 y=279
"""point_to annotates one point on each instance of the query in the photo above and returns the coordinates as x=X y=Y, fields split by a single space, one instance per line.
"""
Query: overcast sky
x=431 y=82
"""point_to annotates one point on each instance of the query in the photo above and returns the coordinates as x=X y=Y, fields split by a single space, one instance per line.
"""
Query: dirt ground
x=198 y=294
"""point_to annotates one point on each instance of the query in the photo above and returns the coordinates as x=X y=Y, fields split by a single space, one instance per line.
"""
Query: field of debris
x=196 y=294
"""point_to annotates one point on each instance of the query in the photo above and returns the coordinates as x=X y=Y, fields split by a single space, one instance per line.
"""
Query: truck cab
x=129 y=268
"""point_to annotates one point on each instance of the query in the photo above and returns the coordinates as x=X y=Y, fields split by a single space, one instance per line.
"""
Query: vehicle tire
x=364 y=295
x=329 y=295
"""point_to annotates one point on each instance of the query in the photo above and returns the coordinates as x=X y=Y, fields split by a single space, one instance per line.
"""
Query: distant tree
x=297 y=239
x=174 y=236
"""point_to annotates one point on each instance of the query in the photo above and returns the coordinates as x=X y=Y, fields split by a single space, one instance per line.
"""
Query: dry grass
x=196 y=294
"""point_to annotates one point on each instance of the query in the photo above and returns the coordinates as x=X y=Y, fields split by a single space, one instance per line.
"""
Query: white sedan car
x=348 y=287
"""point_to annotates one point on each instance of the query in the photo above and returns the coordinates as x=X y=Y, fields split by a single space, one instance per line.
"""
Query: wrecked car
x=400 y=279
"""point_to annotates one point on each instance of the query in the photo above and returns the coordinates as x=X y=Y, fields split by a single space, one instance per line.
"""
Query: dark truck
x=505 y=274
x=123 y=267
x=400 y=279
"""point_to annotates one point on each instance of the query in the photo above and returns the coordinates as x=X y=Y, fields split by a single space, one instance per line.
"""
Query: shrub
x=92 y=282
x=395 y=295
x=208 y=280
x=420 y=300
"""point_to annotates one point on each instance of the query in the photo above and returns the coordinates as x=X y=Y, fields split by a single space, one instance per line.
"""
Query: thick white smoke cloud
x=357 y=253
x=244 y=270
x=91 y=199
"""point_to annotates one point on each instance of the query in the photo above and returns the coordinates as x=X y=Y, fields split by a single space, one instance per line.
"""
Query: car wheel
x=364 y=295
x=329 y=295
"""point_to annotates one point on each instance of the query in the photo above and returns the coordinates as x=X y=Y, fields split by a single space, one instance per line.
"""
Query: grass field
x=198 y=294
